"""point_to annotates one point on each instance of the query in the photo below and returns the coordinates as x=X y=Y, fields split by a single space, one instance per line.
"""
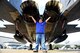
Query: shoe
x=35 y=50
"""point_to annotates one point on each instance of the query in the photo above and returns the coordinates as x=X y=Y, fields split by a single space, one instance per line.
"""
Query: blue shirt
x=40 y=27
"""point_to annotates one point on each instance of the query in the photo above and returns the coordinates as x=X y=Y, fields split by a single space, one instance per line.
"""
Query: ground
x=30 y=51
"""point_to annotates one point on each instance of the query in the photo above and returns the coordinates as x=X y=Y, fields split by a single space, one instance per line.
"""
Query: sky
x=72 y=37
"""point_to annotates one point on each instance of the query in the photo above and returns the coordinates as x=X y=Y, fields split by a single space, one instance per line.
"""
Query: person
x=40 y=33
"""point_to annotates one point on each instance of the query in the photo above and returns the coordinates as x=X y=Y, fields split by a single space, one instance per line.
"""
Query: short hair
x=41 y=17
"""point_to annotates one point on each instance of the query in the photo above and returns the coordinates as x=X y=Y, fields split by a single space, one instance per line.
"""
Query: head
x=40 y=21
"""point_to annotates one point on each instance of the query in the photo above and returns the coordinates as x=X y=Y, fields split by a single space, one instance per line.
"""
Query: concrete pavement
x=30 y=51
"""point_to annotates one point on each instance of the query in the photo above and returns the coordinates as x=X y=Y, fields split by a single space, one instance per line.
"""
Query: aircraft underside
x=55 y=28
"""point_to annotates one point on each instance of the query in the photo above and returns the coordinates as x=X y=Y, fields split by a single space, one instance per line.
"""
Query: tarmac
x=30 y=51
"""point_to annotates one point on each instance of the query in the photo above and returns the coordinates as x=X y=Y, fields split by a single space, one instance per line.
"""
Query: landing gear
x=31 y=47
x=50 y=47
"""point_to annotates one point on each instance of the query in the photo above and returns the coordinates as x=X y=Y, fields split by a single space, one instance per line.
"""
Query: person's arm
x=48 y=19
x=33 y=19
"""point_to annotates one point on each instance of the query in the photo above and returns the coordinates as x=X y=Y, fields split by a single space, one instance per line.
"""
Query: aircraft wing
x=73 y=12
x=7 y=11
x=72 y=29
